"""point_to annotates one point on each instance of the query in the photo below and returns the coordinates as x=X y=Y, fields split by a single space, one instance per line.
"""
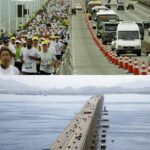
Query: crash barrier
x=145 y=2
x=82 y=132
x=66 y=67
x=112 y=56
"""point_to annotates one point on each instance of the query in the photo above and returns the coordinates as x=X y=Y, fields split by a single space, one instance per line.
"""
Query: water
x=34 y=122
x=129 y=122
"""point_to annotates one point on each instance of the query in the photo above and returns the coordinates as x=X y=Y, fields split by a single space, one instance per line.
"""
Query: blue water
x=129 y=122
x=34 y=122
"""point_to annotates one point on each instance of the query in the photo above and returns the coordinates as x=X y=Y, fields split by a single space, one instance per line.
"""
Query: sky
x=46 y=82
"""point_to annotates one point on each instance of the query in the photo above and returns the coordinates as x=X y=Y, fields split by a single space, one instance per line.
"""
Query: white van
x=128 y=39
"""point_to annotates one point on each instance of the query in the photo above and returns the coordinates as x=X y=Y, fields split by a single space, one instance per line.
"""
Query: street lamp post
x=9 y=13
x=16 y=14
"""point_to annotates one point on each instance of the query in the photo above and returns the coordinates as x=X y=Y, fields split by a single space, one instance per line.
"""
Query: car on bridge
x=130 y=6
x=128 y=39
x=120 y=7
x=78 y=7
x=141 y=27
x=146 y=23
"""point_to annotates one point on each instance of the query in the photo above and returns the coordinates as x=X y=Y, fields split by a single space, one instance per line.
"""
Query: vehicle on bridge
x=92 y=4
x=108 y=31
x=128 y=39
x=104 y=16
x=94 y=11
x=141 y=27
x=130 y=6
x=87 y=2
x=120 y=7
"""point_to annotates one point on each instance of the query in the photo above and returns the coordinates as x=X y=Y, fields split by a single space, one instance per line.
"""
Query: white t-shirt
x=58 y=48
x=29 y=65
x=11 y=70
x=53 y=47
x=47 y=58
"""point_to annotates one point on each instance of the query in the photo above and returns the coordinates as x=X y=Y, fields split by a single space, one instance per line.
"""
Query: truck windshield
x=111 y=27
x=128 y=35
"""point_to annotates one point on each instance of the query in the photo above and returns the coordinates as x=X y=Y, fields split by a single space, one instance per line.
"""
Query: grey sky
x=74 y=81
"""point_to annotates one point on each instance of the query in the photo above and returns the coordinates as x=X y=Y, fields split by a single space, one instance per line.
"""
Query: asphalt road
x=87 y=59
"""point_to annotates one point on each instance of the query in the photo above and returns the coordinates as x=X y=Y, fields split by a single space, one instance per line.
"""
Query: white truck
x=104 y=16
x=128 y=39
x=94 y=11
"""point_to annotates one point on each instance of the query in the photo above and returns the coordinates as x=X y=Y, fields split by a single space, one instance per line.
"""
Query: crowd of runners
x=38 y=46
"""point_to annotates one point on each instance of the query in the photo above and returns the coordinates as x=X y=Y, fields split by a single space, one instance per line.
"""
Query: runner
x=5 y=66
x=48 y=60
x=29 y=56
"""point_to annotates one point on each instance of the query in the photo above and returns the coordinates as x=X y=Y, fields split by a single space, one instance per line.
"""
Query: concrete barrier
x=82 y=132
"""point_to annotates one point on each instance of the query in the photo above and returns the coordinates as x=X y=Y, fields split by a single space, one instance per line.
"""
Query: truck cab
x=109 y=31
x=104 y=16
x=128 y=39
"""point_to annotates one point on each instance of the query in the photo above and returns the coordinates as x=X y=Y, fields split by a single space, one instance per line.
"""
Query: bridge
x=85 y=131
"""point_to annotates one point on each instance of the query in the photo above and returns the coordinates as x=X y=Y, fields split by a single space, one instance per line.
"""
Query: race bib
x=29 y=65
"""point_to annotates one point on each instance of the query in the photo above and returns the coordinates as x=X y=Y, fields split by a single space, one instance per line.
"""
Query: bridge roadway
x=80 y=133
x=87 y=59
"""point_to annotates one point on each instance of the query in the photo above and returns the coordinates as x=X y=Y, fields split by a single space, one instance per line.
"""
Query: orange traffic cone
x=130 y=66
x=136 y=68
x=108 y=53
x=144 y=72
x=125 y=65
x=116 y=59
x=121 y=62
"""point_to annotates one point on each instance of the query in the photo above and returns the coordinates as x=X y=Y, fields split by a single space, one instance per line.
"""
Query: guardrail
x=82 y=132
x=66 y=67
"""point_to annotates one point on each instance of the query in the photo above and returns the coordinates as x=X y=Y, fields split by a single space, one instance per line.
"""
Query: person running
x=5 y=66
x=18 y=63
x=58 y=48
x=7 y=43
x=29 y=56
x=48 y=60
x=36 y=43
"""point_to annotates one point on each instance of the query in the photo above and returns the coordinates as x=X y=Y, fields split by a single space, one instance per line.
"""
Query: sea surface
x=35 y=122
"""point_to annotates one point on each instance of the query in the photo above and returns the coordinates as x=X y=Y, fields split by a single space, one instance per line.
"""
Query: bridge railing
x=67 y=65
